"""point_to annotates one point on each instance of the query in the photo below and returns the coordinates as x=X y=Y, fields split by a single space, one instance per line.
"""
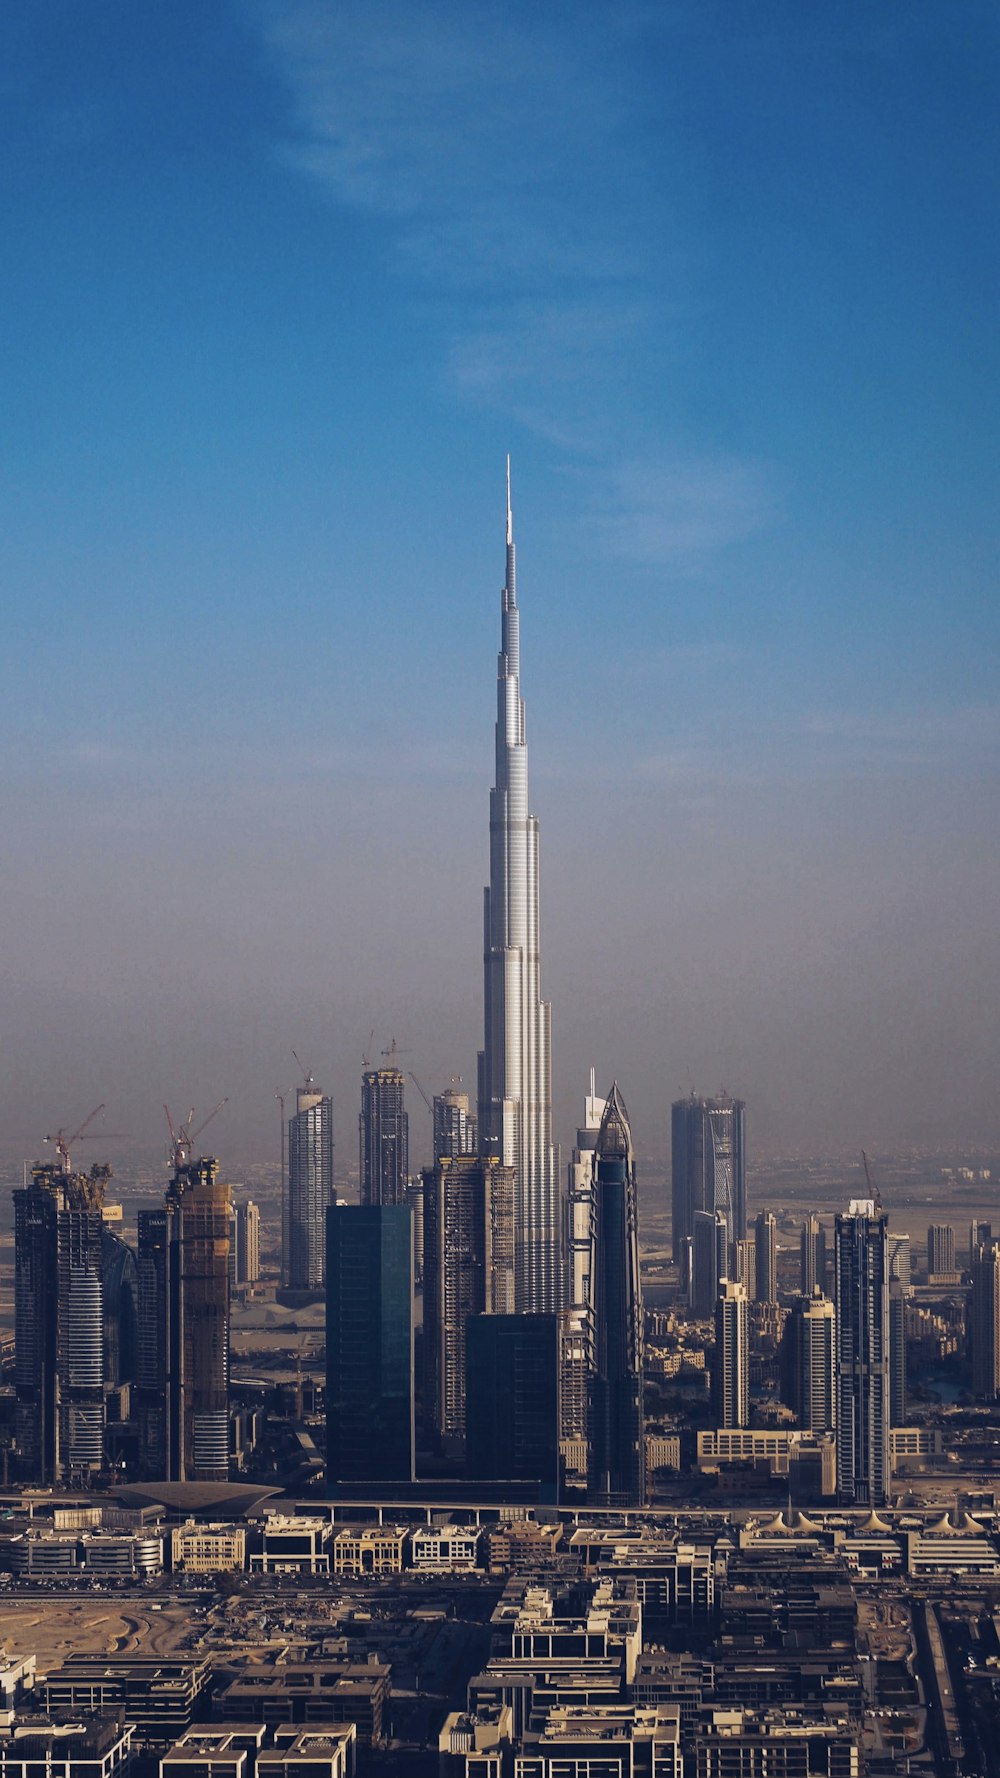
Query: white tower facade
x=515 y=1063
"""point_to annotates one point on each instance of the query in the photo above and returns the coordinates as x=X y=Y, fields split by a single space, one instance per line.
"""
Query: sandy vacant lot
x=52 y=1629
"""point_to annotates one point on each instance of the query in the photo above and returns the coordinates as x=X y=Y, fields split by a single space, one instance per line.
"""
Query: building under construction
x=183 y=1368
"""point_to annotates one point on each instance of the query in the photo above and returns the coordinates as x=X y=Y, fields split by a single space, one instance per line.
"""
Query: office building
x=468 y=1270
x=708 y=1165
x=385 y=1137
x=515 y=1063
x=812 y=1256
x=454 y=1127
x=616 y=1470
x=709 y=1260
x=59 y=1325
x=121 y=1309
x=940 y=1249
x=985 y=1322
x=861 y=1271
x=810 y=1334
x=244 y=1249
x=512 y=1400
x=369 y=1344
x=310 y=1187
x=182 y=1268
x=576 y=1322
x=765 y=1231
x=731 y=1358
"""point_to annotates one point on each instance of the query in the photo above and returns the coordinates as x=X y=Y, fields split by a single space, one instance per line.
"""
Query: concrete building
x=940 y=1249
x=244 y=1251
x=455 y=1131
x=766 y=1249
x=811 y=1337
x=198 y=1548
x=812 y=1256
x=293 y=1545
x=985 y=1322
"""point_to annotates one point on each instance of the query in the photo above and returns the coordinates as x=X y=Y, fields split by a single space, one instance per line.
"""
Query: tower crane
x=428 y=1102
x=183 y=1139
x=873 y=1191
x=64 y=1143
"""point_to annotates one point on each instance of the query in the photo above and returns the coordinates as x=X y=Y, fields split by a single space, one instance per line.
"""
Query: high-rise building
x=515 y=1063
x=731 y=1357
x=861 y=1271
x=310 y=1187
x=897 y=1355
x=468 y=1270
x=708 y=1165
x=746 y=1266
x=454 y=1127
x=183 y=1371
x=899 y=1260
x=369 y=1344
x=512 y=1403
x=385 y=1137
x=980 y=1235
x=121 y=1301
x=59 y=1325
x=812 y=1256
x=940 y=1249
x=244 y=1247
x=985 y=1321
x=765 y=1233
x=576 y=1321
x=811 y=1336
x=709 y=1259
x=616 y=1471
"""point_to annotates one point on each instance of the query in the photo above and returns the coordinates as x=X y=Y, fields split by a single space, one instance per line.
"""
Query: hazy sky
x=281 y=284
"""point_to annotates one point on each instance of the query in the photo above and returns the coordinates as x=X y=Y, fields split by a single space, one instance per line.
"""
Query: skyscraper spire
x=515 y=1065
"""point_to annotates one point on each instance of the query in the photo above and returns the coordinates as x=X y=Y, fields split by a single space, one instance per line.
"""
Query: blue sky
x=282 y=284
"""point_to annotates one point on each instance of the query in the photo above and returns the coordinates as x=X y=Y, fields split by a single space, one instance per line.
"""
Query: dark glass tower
x=310 y=1187
x=861 y=1270
x=512 y=1400
x=708 y=1165
x=59 y=1324
x=369 y=1344
x=616 y=1469
x=385 y=1137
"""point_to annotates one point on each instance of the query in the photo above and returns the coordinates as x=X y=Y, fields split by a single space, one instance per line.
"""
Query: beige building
x=207 y=1549
x=370 y=1549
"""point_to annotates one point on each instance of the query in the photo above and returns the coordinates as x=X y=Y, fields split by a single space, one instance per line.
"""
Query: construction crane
x=64 y=1143
x=392 y=1052
x=183 y=1139
x=428 y=1102
x=873 y=1191
x=367 y=1052
x=307 y=1073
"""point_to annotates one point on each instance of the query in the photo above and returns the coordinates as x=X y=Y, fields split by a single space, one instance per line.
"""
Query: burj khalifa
x=515 y=1064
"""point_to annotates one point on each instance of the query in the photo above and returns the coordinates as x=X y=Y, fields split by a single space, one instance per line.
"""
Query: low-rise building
x=42 y=1749
x=615 y=1741
x=220 y=1750
x=324 y=1750
x=521 y=1544
x=370 y=1549
x=445 y=1549
x=208 y=1549
x=293 y=1546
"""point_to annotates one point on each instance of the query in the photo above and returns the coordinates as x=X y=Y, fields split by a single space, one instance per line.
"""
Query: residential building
x=468 y=1270
x=385 y=1136
x=766 y=1250
x=940 y=1249
x=810 y=1335
x=731 y=1358
x=710 y=1260
x=454 y=1127
x=985 y=1322
x=861 y=1270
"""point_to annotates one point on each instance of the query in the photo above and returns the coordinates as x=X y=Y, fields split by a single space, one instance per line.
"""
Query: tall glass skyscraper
x=616 y=1470
x=310 y=1186
x=515 y=1063
x=861 y=1271
x=708 y=1165
x=369 y=1344
x=385 y=1137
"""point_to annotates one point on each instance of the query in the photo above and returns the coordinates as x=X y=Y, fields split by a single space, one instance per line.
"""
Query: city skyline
x=282 y=292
